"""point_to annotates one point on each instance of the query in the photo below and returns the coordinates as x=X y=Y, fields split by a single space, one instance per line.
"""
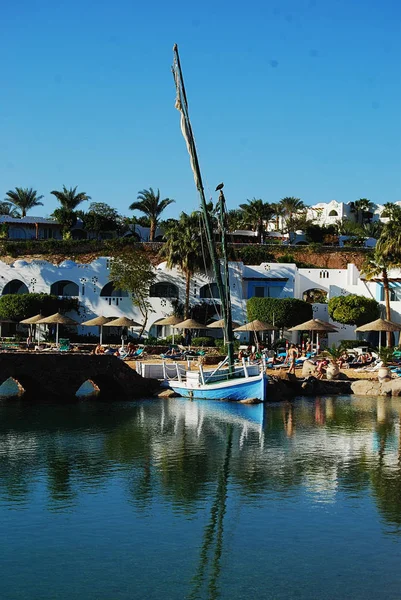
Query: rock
x=11 y=388
x=391 y=388
x=366 y=387
x=332 y=371
x=168 y=393
x=250 y=401
x=308 y=368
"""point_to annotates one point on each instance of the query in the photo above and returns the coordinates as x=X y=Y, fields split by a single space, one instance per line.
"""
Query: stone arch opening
x=333 y=213
x=315 y=295
x=65 y=288
x=15 y=286
x=163 y=289
x=108 y=385
x=110 y=291
x=210 y=290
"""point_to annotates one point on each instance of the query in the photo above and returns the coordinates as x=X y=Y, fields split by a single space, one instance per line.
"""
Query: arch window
x=209 y=290
x=333 y=213
x=64 y=288
x=324 y=274
x=163 y=289
x=315 y=296
x=109 y=291
x=15 y=286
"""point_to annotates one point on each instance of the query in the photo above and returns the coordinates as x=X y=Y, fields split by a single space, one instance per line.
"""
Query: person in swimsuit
x=292 y=357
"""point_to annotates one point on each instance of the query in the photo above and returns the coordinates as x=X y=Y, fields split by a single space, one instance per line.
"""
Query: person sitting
x=98 y=350
x=321 y=369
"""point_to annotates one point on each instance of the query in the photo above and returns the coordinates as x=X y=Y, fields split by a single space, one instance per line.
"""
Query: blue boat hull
x=239 y=389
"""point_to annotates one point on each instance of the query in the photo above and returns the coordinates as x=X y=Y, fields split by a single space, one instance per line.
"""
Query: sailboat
x=228 y=381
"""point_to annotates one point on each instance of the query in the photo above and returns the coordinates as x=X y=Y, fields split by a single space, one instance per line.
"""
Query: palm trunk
x=386 y=287
x=152 y=230
x=187 y=288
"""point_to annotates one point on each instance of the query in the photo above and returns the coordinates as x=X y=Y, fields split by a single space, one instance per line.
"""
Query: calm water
x=180 y=500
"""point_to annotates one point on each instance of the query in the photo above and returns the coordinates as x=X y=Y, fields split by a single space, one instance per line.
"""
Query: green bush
x=219 y=343
x=22 y=306
x=353 y=309
x=253 y=254
x=203 y=341
x=282 y=312
x=348 y=344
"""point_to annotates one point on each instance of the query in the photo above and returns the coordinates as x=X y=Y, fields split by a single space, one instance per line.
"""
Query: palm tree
x=392 y=211
x=293 y=213
x=360 y=208
x=378 y=266
x=24 y=198
x=6 y=208
x=66 y=215
x=182 y=250
x=254 y=214
x=151 y=205
x=69 y=199
x=278 y=211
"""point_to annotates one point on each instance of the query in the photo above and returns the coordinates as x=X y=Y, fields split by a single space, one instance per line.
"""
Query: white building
x=91 y=285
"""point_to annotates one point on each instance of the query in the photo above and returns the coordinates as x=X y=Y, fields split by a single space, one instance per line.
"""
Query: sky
x=286 y=97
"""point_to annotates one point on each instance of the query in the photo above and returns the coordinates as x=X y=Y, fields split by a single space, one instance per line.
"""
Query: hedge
x=282 y=312
x=22 y=306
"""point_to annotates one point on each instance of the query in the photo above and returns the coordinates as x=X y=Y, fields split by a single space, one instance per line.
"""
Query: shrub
x=282 y=312
x=348 y=344
x=203 y=341
x=251 y=255
x=219 y=343
x=353 y=309
x=22 y=306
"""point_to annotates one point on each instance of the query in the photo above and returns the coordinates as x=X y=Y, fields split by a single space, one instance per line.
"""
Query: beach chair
x=64 y=345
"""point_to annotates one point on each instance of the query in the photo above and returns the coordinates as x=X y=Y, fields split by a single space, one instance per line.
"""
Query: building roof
x=27 y=220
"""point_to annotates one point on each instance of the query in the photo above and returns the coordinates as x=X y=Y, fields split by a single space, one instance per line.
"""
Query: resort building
x=97 y=295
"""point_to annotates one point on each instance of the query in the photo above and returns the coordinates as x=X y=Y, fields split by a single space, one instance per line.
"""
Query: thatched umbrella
x=315 y=325
x=190 y=324
x=220 y=324
x=171 y=320
x=122 y=322
x=98 y=322
x=255 y=326
x=380 y=325
x=32 y=321
x=57 y=319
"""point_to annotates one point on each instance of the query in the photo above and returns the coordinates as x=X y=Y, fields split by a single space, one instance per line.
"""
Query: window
x=15 y=286
x=110 y=291
x=209 y=290
x=163 y=289
x=333 y=213
x=259 y=292
x=64 y=288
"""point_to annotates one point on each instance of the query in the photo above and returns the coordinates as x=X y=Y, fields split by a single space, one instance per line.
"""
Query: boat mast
x=186 y=128
x=227 y=298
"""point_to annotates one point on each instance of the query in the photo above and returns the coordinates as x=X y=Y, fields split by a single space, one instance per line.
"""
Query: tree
x=353 y=309
x=66 y=215
x=133 y=272
x=101 y=218
x=150 y=204
x=378 y=266
x=254 y=215
x=183 y=249
x=361 y=208
x=234 y=219
x=294 y=215
x=22 y=306
x=392 y=211
x=24 y=198
x=282 y=312
x=278 y=212
x=6 y=208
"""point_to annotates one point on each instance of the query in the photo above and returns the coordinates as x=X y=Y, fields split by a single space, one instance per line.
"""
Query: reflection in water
x=159 y=465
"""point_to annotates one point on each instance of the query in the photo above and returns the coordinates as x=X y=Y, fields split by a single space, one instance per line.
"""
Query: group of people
x=125 y=353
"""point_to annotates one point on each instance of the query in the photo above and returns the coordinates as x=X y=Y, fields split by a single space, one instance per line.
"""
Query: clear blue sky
x=287 y=97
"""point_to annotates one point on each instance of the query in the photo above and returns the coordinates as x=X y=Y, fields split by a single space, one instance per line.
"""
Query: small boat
x=247 y=382
x=228 y=381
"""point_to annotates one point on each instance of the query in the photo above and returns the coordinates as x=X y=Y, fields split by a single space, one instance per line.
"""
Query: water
x=184 y=500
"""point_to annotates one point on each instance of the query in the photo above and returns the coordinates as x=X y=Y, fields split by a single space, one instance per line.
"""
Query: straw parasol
x=57 y=319
x=32 y=321
x=122 y=322
x=98 y=322
x=315 y=325
x=171 y=320
x=379 y=325
x=256 y=325
x=220 y=324
x=190 y=324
